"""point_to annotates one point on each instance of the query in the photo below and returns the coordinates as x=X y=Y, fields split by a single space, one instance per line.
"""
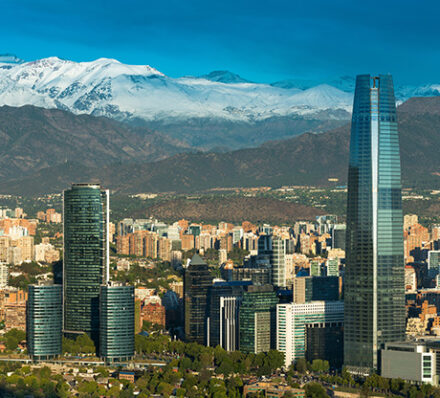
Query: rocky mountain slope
x=34 y=138
x=309 y=159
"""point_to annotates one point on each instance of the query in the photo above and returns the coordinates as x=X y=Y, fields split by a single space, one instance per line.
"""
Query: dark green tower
x=86 y=257
x=258 y=319
x=44 y=320
x=374 y=276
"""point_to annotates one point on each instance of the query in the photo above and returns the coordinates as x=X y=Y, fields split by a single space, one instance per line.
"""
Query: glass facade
x=294 y=329
x=374 y=276
x=197 y=282
x=258 y=319
x=278 y=262
x=44 y=320
x=225 y=301
x=116 y=337
x=86 y=251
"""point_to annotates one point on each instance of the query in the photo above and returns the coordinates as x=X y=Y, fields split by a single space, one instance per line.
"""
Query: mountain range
x=308 y=159
x=220 y=110
x=34 y=138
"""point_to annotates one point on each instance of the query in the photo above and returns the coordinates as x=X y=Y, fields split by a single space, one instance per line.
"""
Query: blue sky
x=263 y=41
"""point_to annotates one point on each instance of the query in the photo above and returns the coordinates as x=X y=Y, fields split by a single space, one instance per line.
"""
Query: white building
x=4 y=275
x=222 y=256
x=410 y=278
x=40 y=251
x=293 y=321
x=411 y=361
x=278 y=262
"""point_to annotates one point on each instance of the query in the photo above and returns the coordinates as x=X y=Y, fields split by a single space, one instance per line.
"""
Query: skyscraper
x=258 y=319
x=44 y=319
x=278 y=262
x=86 y=256
x=374 y=277
x=197 y=282
x=116 y=336
x=225 y=300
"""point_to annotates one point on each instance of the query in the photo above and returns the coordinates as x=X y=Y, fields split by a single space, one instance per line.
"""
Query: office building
x=339 y=233
x=259 y=276
x=311 y=330
x=224 y=307
x=413 y=361
x=4 y=275
x=278 y=262
x=116 y=313
x=374 y=272
x=257 y=319
x=86 y=257
x=315 y=288
x=315 y=268
x=434 y=260
x=44 y=320
x=332 y=267
x=264 y=250
x=197 y=282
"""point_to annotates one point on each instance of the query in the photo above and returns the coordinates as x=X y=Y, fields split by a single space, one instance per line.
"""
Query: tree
x=318 y=365
x=13 y=338
x=315 y=390
x=301 y=365
x=164 y=389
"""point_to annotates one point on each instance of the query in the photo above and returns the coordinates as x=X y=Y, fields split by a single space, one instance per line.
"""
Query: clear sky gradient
x=262 y=41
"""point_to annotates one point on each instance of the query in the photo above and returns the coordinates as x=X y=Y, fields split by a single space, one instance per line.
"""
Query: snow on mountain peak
x=110 y=88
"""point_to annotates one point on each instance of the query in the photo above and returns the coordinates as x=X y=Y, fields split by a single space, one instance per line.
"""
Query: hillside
x=33 y=138
x=233 y=209
x=309 y=159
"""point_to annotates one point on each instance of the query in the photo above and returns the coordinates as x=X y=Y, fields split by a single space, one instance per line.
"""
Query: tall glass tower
x=86 y=256
x=197 y=282
x=44 y=319
x=116 y=337
x=374 y=277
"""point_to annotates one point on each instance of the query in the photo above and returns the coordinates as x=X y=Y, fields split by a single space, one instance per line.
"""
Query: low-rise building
x=412 y=361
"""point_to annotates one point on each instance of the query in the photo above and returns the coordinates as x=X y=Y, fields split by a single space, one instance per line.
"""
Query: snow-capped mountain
x=126 y=92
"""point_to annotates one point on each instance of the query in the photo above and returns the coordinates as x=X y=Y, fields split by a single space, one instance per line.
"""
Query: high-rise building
x=374 y=272
x=278 y=262
x=86 y=257
x=4 y=275
x=116 y=313
x=315 y=288
x=315 y=268
x=311 y=330
x=259 y=276
x=258 y=319
x=434 y=260
x=197 y=282
x=332 y=267
x=44 y=320
x=264 y=250
x=339 y=233
x=223 y=324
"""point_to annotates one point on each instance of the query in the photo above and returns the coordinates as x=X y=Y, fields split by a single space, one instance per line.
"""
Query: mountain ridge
x=35 y=138
x=308 y=159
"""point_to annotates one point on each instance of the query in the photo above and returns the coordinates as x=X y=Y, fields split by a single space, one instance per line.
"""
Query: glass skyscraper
x=86 y=257
x=196 y=284
x=116 y=337
x=258 y=319
x=44 y=319
x=374 y=276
